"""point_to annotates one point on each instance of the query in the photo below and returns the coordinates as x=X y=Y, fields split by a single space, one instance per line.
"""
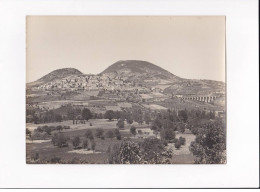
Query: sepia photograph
x=125 y=90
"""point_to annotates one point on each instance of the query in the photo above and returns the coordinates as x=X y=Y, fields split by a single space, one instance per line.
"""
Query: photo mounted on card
x=125 y=90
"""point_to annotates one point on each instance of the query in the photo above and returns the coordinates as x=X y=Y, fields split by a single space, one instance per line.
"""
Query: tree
x=110 y=134
x=167 y=134
x=117 y=114
x=99 y=132
x=153 y=151
x=59 y=140
x=138 y=116
x=86 y=114
x=28 y=132
x=127 y=152
x=133 y=130
x=181 y=127
x=147 y=118
x=129 y=118
x=210 y=143
x=85 y=144
x=177 y=144
x=59 y=128
x=117 y=134
x=89 y=134
x=93 y=145
x=157 y=124
x=182 y=140
x=183 y=115
x=120 y=124
x=109 y=115
x=54 y=139
x=76 y=142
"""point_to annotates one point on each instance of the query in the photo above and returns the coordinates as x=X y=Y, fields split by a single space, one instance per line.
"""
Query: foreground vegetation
x=127 y=137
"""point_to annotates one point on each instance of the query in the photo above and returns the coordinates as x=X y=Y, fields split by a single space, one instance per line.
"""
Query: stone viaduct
x=206 y=99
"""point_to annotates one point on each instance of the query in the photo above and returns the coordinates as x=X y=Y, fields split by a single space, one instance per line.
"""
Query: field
x=47 y=150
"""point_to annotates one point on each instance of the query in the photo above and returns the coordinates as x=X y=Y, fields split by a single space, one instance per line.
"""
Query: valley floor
x=47 y=151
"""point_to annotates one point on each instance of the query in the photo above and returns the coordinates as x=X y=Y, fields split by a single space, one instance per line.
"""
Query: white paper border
x=242 y=169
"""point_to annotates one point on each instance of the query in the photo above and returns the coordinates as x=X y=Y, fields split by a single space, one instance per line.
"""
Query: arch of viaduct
x=205 y=99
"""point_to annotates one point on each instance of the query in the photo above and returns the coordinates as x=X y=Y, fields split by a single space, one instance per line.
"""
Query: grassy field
x=47 y=150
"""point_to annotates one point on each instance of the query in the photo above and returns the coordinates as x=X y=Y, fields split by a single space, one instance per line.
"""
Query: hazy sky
x=189 y=47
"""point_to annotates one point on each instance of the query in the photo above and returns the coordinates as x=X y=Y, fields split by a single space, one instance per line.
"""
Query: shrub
x=90 y=124
x=39 y=135
x=89 y=134
x=182 y=140
x=99 y=132
x=133 y=130
x=140 y=132
x=28 y=132
x=76 y=142
x=86 y=114
x=177 y=144
x=55 y=160
x=59 y=140
x=93 y=145
x=109 y=115
x=66 y=127
x=85 y=144
x=35 y=156
x=118 y=137
x=120 y=124
x=110 y=134
x=59 y=128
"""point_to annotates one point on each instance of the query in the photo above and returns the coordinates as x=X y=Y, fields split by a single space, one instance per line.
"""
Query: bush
x=28 y=132
x=76 y=142
x=66 y=127
x=102 y=137
x=85 y=144
x=35 y=156
x=177 y=144
x=165 y=143
x=55 y=160
x=90 y=124
x=39 y=135
x=182 y=140
x=109 y=115
x=93 y=145
x=133 y=130
x=89 y=134
x=99 y=132
x=59 y=140
x=59 y=128
x=120 y=124
x=110 y=134
x=118 y=137
x=140 y=132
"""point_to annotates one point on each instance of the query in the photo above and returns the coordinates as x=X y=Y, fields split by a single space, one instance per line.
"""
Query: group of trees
x=210 y=144
x=44 y=132
x=150 y=150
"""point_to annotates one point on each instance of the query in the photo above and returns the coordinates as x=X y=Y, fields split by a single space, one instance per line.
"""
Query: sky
x=190 y=47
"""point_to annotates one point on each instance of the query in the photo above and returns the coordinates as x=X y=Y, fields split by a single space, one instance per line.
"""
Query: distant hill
x=127 y=74
x=60 y=73
x=137 y=67
x=56 y=74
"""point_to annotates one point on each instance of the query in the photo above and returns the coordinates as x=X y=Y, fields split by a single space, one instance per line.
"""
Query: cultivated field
x=48 y=151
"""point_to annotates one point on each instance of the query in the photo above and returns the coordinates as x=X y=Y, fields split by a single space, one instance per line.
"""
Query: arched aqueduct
x=206 y=99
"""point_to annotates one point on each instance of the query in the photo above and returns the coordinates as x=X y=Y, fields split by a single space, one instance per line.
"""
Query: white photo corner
x=129 y=94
